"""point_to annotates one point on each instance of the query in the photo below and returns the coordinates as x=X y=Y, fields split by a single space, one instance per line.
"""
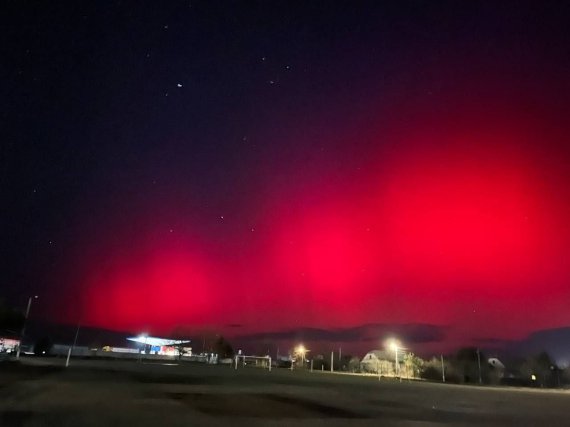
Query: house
x=496 y=364
x=380 y=362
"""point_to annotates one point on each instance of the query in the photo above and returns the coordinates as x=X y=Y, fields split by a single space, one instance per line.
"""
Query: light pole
x=302 y=351
x=394 y=346
x=24 y=325
x=73 y=345
x=479 y=364
x=396 y=360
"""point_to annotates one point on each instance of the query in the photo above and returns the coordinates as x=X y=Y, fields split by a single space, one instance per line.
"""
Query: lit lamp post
x=302 y=351
x=24 y=325
x=394 y=346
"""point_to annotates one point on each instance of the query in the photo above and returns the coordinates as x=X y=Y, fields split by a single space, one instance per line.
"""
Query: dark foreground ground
x=103 y=393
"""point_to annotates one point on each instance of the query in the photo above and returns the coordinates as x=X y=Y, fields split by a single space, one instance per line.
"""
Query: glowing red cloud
x=445 y=229
x=328 y=253
x=323 y=254
x=460 y=217
x=153 y=291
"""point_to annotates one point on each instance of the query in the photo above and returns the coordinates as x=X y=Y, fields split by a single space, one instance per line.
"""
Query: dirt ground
x=41 y=391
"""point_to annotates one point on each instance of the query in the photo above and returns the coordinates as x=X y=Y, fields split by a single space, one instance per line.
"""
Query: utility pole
x=479 y=363
x=22 y=333
x=442 y=369
x=73 y=345
x=332 y=361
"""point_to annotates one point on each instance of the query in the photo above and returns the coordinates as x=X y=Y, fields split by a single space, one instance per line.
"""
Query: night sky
x=267 y=166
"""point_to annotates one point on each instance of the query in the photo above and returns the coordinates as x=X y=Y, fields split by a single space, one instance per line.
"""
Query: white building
x=8 y=345
x=379 y=362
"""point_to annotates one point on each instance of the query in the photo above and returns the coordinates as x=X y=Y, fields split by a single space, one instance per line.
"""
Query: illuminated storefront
x=162 y=346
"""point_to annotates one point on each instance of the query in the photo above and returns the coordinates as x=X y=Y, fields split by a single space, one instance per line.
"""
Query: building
x=163 y=346
x=8 y=345
x=380 y=362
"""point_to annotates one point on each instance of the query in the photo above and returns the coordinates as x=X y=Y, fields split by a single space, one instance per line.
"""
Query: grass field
x=41 y=392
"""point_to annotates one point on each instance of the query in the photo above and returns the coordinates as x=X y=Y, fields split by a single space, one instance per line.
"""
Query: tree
x=223 y=348
x=344 y=362
x=385 y=368
x=565 y=376
x=354 y=364
x=413 y=366
x=432 y=370
x=467 y=363
x=541 y=370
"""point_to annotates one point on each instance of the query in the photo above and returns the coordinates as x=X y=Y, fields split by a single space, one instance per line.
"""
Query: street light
x=393 y=344
x=24 y=325
x=302 y=351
